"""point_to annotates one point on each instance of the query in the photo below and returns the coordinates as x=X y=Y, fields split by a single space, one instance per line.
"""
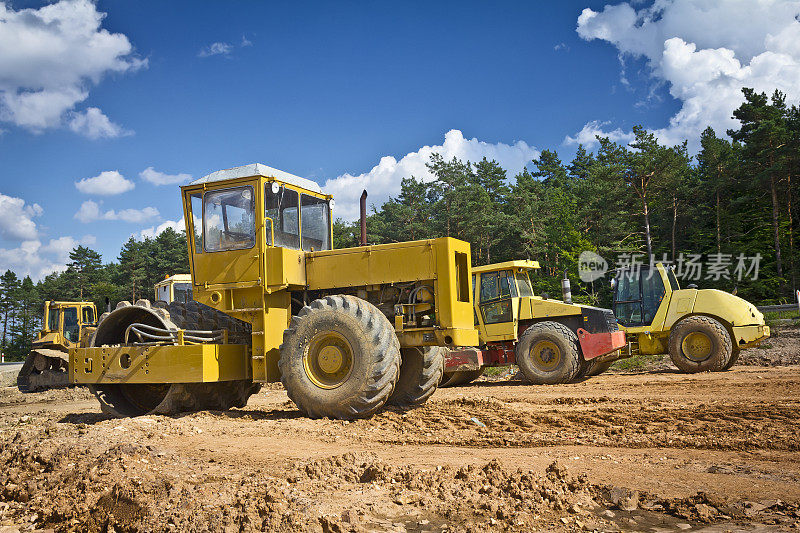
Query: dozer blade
x=43 y=369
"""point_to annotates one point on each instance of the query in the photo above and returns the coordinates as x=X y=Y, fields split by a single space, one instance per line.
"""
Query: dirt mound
x=781 y=349
x=52 y=479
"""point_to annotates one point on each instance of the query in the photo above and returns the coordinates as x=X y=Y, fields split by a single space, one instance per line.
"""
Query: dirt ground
x=651 y=450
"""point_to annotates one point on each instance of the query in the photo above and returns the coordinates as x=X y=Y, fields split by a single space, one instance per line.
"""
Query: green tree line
x=140 y=265
x=732 y=204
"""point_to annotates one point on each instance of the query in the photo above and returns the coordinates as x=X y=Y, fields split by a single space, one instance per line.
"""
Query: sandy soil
x=648 y=451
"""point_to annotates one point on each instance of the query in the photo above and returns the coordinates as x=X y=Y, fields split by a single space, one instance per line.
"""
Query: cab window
x=228 y=220
x=652 y=294
x=52 y=319
x=496 y=292
x=196 y=204
x=524 y=284
x=182 y=292
x=638 y=296
x=490 y=289
x=673 y=281
x=88 y=315
x=316 y=231
x=281 y=205
x=71 y=329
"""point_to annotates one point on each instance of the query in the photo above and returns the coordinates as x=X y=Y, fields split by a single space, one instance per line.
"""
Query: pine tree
x=9 y=294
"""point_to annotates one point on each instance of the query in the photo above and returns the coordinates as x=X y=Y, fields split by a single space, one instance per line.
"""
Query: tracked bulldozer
x=345 y=330
x=65 y=325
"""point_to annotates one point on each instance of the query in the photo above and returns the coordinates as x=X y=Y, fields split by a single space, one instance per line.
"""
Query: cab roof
x=522 y=264
x=176 y=278
x=257 y=169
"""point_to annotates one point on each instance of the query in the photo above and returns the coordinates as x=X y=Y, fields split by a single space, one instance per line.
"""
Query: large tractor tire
x=700 y=344
x=44 y=368
x=547 y=353
x=596 y=368
x=340 y=358
x=420 y=373
x=735 y=353
x=131 y=399
x=460 y=377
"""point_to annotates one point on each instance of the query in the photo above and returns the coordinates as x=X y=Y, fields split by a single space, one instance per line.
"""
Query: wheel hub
x=546 y=355
x=328 y=361
x=331 y=359
x=697 y=346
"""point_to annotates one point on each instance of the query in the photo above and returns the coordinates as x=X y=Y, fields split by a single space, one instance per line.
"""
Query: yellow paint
x=743 y=321
x=159 y=364
x=52 y=335
x=523 y=308
x=255 y=284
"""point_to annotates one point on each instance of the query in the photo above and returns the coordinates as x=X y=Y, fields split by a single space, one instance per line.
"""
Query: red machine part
x=499 y=354
x=496 y=354
x=597 y=344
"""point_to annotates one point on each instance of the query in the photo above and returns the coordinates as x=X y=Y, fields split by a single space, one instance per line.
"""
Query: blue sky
x=348 y=94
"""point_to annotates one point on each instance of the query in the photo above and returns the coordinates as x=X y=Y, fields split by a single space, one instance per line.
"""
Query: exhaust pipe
x=364 y=218
x=566 y=290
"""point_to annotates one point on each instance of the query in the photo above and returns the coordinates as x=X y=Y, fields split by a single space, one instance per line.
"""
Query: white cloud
x=90 y=212
x=106 y=183
x=706 y=51
x=154 y=231
x=215 y=49
x=588 y=135
x=16 y=219
x=50 y=57
x=384 y=179
x=160 y=178
x=561 y=46
x=35 y=259
x=93 y=124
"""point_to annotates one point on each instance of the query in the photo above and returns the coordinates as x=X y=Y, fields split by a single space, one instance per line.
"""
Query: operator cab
x=67 y=319
x=499 y=289
x=251 y=218
x=639 y=292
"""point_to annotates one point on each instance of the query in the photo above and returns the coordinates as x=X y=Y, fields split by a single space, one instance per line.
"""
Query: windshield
x=228 y=220
x=182 y=292
x=282 y=208
x=71 y=329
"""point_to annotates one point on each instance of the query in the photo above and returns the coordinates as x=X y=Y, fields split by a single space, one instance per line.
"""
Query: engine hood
x=737 y=311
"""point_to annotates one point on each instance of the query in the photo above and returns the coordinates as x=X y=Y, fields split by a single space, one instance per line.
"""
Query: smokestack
x=364 y=218
x=566 y=289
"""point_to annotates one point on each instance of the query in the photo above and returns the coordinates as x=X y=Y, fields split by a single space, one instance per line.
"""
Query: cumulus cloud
x=705 y=52
x=384 y=179
x=49 y=59
x=588 y=135
x=160 y=178
x=37 y=259
x=16 y=219
x=93 y=124
x=90 y=212
x=106 y=183
x=216 y=49
x=154 y=231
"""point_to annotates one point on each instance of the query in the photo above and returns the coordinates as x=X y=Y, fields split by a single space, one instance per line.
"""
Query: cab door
x=497 y=294
x=638 y=296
